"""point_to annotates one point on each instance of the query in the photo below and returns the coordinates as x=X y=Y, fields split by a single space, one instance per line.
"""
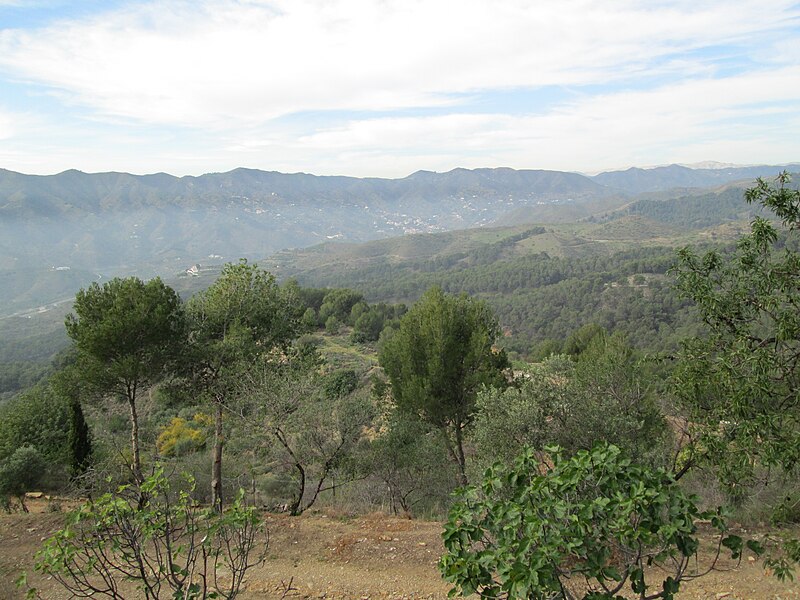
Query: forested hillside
x=544 y=281
x=537 y=296
x=306 y=396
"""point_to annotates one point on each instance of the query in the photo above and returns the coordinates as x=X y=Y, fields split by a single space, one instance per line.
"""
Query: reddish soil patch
x=371 y=556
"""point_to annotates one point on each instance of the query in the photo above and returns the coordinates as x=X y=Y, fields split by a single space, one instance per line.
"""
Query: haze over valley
x=60 y=233
x=75 y=227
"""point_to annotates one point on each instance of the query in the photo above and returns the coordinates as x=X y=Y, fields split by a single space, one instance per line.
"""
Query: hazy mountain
x=126 y=222
x=143 y=225
x=118 y=223
x=636 y=181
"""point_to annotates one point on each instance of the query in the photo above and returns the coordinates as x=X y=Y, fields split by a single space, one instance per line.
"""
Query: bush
x=410 y=459
x=340 y=383
x=19 y=473
x=579 y=527
x=332 y=325
x=182 y=437
x=604 y=395
x=159 y=539
x=38 y=418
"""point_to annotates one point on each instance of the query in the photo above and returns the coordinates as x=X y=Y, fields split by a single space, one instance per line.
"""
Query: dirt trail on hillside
x=374 y=556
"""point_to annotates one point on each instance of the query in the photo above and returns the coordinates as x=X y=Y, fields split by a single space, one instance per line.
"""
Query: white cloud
x=227 y=63
x=726 y=119
x=6 y=126
x=198 y=86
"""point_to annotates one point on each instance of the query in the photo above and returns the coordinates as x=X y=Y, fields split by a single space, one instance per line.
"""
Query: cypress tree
x=80 y=443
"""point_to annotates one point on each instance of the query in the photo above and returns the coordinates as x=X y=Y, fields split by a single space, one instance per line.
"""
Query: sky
x=384 y=88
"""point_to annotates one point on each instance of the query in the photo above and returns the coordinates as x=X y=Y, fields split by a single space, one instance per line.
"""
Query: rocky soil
x=363 y=557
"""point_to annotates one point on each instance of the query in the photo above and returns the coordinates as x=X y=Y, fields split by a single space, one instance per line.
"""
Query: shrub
x=182 y=437
x=19 y=473
x=579 y=527
x=156 y=538
x=38 y=418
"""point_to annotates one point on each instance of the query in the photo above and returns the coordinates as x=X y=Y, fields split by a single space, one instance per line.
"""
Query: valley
x=487 y=232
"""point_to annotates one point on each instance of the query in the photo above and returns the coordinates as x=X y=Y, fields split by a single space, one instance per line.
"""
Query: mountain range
x=123 y=223
x=388 y=238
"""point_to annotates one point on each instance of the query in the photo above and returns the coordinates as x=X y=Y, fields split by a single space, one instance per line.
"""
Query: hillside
x=60 y=232
x=122 y=223
x=537 y=295
x=636 y=180
x=543 y=280
x=125 y=223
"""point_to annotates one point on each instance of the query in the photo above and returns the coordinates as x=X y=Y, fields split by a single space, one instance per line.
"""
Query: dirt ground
x=334 y=557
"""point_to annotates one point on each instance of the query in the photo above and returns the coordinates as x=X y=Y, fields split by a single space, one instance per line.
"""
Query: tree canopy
x=439 y=359
x=126 y=332
x=244 y=314
x=740 y=382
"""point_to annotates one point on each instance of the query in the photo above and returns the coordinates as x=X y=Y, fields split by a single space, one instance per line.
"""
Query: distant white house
x=194 y=270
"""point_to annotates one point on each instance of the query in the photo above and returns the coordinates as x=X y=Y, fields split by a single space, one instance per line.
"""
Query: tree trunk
x=216 y=461
x=462 y=462
x=296 y=507
x=136 y=467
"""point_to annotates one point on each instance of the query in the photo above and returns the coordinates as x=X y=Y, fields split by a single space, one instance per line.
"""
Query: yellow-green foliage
x=182 y=436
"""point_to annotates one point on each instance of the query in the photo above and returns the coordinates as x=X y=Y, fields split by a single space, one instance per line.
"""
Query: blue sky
x=387 y=87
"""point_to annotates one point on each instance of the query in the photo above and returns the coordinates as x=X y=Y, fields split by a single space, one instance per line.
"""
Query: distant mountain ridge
x=162 y=223
x=159 y=223
x=658 y=179
x=29 y=195
x=61 y=232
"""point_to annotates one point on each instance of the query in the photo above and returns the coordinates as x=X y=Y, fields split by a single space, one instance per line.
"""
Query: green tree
x=316 y=427
x=545 y=349
x=67 y=384
x=332 y=325
x=369 y=324
x=523 y=414
x=127 y=333
x=580 y=339
x=603 y=395
x=242 y=316
x=741 y=381
x=309 y=319
x=439 y=359
x=614 y=400
x=588 y=526
x=20 y=472
x=79 y=440
x=39 y=418
x=407 y=457
x=339 y=302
